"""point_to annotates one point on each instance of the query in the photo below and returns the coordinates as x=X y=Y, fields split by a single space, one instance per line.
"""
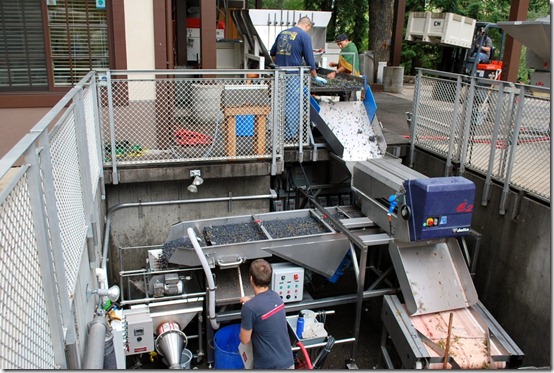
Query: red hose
x=306 y=356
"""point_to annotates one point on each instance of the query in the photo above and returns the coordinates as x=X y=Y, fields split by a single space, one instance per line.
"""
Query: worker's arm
x=245 y=299
x=339 y=70
x=245 y=335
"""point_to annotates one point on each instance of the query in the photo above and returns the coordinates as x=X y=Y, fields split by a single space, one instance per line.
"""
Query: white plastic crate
x=440 y=28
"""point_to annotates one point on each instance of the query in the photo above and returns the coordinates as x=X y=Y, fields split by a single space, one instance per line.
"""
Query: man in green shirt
x=348 y=58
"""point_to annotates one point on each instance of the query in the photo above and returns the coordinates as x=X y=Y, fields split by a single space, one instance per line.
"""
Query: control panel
x=288 y=281
x=140 y=331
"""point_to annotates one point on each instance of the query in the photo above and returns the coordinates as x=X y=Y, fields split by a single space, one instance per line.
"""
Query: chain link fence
x=497 y=128
x=202 y=115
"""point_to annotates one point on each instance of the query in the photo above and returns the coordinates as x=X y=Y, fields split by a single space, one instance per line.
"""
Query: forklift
x=462 y=61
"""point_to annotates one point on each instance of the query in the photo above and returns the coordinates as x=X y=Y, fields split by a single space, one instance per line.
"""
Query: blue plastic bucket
x=245 y=125
x=226 y=342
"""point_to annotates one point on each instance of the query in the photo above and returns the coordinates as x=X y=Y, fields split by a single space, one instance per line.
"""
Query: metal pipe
x=209 y=277
x=94 y=351
x=323 y=344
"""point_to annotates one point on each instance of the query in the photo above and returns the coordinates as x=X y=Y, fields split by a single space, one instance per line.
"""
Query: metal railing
x=497 y=128
x=156 y=117
x=49 y=213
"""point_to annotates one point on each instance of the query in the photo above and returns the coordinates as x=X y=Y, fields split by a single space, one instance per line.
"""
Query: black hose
x=320 y=359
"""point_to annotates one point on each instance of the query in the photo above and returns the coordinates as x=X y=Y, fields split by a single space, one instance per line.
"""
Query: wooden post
x=447 y=347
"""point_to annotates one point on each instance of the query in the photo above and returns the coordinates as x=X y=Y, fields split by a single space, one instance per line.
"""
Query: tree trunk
x=380 y=30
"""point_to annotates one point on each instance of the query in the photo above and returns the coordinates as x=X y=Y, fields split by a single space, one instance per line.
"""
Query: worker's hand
x=333 y=64
x=244 y=299
x=320 y=80
x=332 y=75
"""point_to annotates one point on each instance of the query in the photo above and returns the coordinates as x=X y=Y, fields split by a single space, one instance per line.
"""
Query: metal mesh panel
x=24 y=326
x=481 y=133
x=490 y=110
x=531 y=169
x=69 y=195
x=295 y=109
x=91 y=128
x=189 y=119
x=435 y=116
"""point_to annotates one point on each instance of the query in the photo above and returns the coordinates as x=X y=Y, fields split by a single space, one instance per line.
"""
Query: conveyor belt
x=420 y=340
x=342 y=83
x=302 y=237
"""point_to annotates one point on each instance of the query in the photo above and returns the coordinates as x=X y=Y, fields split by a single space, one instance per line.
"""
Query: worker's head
x=260 y=272
x=305 y=24
x=341 y=40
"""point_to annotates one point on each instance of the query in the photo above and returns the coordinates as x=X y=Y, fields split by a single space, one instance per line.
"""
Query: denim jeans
x=292 y=106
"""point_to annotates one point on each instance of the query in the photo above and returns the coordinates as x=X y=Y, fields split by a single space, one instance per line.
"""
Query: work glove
x=321 y=80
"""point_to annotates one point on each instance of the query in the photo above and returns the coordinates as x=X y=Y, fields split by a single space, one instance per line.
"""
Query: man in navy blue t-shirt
x=293 y=47
x=264 y=322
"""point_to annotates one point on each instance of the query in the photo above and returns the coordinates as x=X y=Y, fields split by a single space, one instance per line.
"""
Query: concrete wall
x=513 y=273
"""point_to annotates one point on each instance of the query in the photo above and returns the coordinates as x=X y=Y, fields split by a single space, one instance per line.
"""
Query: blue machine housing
x=439 y=207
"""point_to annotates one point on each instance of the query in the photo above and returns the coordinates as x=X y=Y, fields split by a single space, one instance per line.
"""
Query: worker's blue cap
x=341 y=37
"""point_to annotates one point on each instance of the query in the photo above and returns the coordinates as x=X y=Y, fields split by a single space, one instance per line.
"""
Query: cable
x=320 y=359
x=310 y=191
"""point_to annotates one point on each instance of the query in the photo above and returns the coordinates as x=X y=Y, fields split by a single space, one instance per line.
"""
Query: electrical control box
x=438 y=207
x=140 y=330
x=288 y=281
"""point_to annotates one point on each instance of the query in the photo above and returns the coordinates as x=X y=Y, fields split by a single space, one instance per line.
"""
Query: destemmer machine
x=437 y=322
x=417 y=220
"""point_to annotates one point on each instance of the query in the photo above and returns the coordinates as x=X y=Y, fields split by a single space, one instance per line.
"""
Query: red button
x=296 y=276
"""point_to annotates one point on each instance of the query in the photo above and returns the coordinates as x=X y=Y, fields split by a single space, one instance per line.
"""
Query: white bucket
x=186 y=357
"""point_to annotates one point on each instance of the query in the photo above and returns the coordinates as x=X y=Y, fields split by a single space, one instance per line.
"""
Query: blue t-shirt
x=265 y=316
x=291 y=45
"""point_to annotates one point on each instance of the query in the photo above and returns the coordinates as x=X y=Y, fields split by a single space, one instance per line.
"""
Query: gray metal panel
x=535 y=35
x=319 y=255
x=403 y=334
x=433 y=276
x=500 y=335
x=349 y=122
x=382 y=177
x=327 y=134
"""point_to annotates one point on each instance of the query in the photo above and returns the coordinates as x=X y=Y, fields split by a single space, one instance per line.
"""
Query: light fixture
x=197 y=181
x=193 y=188
x=112 y=293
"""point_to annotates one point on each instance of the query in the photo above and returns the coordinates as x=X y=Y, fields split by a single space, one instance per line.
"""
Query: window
x=22 y=51
x=78 y=39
